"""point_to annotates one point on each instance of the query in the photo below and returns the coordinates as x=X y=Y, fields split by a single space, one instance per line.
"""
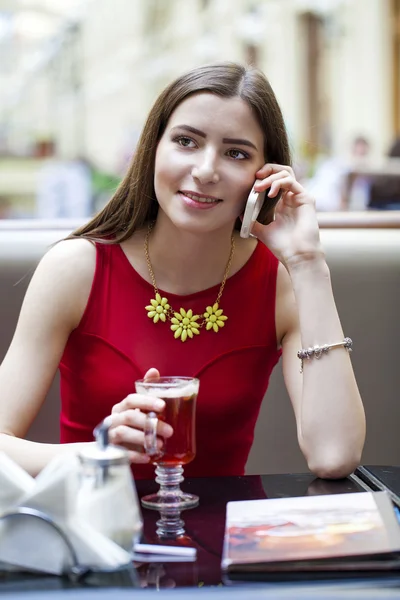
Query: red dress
x=116 y=343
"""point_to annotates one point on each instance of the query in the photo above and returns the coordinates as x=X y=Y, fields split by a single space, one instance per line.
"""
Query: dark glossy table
x=204 y=529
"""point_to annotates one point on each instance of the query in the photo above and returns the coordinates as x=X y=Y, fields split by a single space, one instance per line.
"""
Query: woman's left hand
x=294 y=234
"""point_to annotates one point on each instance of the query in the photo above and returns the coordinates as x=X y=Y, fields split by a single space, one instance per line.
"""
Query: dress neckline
x=213 y=289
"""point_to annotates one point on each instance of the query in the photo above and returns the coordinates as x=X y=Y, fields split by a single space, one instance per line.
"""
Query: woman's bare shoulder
x=72 y=248
x=66 y=273
x=75 y=256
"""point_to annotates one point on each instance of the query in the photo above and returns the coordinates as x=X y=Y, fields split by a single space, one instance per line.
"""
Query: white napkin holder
x=42 y=528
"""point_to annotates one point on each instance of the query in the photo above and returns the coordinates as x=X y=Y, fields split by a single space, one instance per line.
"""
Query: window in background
x=311 y=26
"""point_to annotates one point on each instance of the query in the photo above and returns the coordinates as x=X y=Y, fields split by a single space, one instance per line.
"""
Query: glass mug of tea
x=179 y=395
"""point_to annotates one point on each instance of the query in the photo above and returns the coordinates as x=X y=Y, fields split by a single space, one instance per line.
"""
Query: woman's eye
x=237 y=154
x=184 y=141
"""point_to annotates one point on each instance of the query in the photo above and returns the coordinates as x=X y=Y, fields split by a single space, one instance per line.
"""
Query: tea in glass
x=179 y=395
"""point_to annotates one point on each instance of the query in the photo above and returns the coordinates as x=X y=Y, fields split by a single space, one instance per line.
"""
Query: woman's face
x=206 y=162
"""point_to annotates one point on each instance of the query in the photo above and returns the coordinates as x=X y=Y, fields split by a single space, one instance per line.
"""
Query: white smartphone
x=253 y=206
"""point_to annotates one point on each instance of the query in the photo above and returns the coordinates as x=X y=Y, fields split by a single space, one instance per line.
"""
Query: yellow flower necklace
x=184 y=323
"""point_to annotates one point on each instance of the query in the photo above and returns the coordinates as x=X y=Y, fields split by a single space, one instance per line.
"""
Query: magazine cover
x=311 y=532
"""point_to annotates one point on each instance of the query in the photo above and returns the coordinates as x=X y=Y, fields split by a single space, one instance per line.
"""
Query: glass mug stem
x=169 y=478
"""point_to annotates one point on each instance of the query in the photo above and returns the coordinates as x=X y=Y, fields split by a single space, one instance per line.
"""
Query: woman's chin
x=196 y=224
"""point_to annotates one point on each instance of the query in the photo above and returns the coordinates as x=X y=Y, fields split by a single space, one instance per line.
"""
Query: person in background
x=160 y=281
x=357 y=186
x=333 y=185
x=385 y=188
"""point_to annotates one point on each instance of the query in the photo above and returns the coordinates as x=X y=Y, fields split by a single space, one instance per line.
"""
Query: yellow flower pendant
x=214 y=317
x=184 y=323
x=158 y=309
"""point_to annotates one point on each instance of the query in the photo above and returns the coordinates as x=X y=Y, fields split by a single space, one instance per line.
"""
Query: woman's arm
x=52 y=308
x=328 y=408
x=329 y=413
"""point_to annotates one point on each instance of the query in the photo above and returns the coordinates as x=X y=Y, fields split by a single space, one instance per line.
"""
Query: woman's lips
x=199 y=202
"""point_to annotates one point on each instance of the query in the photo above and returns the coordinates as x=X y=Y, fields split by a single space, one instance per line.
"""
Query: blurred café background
x=77 y=78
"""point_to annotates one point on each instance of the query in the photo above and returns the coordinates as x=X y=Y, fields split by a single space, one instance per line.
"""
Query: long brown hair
x=134 y=202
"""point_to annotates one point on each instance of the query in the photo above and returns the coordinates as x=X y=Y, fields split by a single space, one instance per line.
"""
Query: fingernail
x=159 y=404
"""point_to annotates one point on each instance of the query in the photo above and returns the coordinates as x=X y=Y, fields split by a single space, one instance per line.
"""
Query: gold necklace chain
x=185 y=324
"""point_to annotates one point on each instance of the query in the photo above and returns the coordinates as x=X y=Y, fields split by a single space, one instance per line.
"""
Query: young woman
x=161 y=280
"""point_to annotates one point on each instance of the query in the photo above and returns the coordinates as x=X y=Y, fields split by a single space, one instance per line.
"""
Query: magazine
x=337 y=532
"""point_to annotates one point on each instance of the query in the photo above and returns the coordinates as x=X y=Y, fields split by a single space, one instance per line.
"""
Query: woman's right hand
x=128 y=422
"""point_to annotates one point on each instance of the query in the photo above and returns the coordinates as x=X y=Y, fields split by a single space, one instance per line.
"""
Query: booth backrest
x=365 y=270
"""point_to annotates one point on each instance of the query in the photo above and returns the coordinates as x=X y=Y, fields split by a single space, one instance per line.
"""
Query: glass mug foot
x=159 y=502
x=170 y=496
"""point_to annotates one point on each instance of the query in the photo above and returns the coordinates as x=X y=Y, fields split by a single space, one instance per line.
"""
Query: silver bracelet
x=318 y=351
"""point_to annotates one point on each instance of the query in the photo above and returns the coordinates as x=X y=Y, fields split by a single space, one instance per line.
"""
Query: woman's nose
x=206 y=170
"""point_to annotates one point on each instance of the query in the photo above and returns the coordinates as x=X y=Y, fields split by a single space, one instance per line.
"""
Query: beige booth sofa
x=365 y=269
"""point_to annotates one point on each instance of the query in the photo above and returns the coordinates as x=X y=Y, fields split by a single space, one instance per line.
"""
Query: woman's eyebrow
x=191 y=129
x=237 y=141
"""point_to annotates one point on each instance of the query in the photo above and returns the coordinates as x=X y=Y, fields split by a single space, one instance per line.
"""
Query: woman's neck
x=184 y=262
